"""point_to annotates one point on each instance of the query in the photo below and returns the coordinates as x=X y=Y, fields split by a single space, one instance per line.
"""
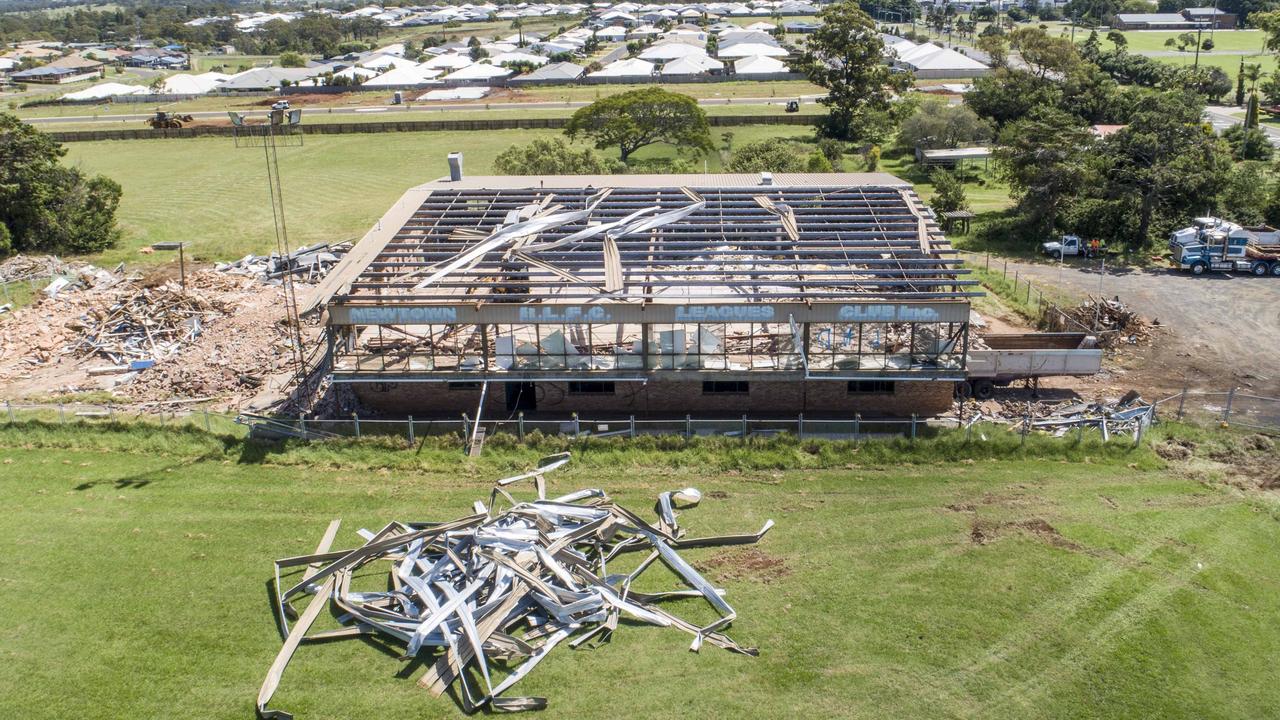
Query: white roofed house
x=478 y=72
x=613 y=33
x=451 y=61
x=693 y=65
x=518 y=57
x=932 y=61
x=741 y=50
x=553 y=73
x=406 y=76
x=665 y=51
x=758 y=65
x=632 y=68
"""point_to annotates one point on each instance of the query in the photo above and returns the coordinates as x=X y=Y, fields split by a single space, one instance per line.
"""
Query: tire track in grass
x=1046 y=619
x=1029 y=695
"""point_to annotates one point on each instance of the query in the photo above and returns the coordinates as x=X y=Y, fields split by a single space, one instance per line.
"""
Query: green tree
x=1163 y=164
x=46 y=206
x=1245 y=194
x=1248 y=143
x=1045 y=159
x=948 y=192
x=996 y=47
x=1007 y=95
x=938 y=124
x=1042 y=53
x=292 y=60
x=639 y=118
x=550 y=156
x=845 y=56
x=1118 y=39
x=1251 y=112
x=1240 y=84
x=771 y=155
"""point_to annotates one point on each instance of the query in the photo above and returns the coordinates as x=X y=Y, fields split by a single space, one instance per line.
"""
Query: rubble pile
x=1110 y=320
x=482 y=599
x=218 y=337
x=306 y=264
x=1124 y=416
x=145 y=326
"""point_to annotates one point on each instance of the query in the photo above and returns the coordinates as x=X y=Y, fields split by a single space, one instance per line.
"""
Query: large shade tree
x=846 y=56
x=46 y=206
x=639 y=118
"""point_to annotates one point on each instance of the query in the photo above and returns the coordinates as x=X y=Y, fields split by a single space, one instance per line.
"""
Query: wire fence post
x=688 y=428
x=302 y=426
x=8 y=406
x=913 y=427
x=1226 y=413
x=1026 y=424
x=800 y=425
x=520 y=426
x=1182 y=401
x=413 y=440
x=577 y=427
x=857 y=426
x=744 y=428
x=631 y=431
x=207 y=428
x=355 y=419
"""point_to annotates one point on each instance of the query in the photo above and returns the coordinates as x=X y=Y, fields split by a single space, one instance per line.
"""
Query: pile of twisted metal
x=484 y=591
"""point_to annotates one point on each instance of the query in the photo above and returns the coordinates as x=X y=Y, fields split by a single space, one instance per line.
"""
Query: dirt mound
x=982 y=532
x=750 y=564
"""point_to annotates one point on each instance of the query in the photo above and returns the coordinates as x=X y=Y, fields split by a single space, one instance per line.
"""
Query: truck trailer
x=1212 y=244
x=1028 y=356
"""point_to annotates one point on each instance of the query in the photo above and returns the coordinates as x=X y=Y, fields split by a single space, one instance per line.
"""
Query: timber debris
x=484 y=598
x=1112 y=321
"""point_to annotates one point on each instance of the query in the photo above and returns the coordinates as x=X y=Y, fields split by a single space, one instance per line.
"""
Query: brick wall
x=659 y=398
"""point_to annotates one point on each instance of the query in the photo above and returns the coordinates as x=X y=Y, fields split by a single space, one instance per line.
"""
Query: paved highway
x=402 y=109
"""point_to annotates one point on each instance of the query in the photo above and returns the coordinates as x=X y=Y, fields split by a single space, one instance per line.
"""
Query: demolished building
x=652 y=295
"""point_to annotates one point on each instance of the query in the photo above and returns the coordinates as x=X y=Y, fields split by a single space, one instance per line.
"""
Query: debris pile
x=1126 y=416
x=1111 y=321
x=498 y=586
x=146 y=325
x=145 y=338
x=307 y=264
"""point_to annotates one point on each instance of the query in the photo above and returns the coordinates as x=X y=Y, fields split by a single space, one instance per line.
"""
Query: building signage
x=725 y=313
x=887 y=313
x=403 y=315
x=629 y=313
x=564 y=314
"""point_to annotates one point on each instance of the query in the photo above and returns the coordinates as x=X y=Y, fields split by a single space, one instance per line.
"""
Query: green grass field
x=214 y=196
x=1154 y=40
x=897 y=587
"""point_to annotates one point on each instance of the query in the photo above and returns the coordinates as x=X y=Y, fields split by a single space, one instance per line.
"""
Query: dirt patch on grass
x=982 y=532
x=751 y=564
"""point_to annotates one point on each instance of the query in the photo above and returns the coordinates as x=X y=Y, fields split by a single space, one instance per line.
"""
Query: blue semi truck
x=1213 y=244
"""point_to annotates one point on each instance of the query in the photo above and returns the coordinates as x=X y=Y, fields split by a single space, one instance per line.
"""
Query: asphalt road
x=402 y=109
x=1221 y=119
x=1221 y=329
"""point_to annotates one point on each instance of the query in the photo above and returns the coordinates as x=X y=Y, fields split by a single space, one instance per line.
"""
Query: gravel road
x=1220 y=329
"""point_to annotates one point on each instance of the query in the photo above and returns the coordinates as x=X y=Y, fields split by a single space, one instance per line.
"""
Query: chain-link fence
x=1232 y=407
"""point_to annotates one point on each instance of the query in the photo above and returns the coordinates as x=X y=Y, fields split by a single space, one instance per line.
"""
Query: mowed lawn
x=135 y=585
x=1227 y=48
x=214 y=196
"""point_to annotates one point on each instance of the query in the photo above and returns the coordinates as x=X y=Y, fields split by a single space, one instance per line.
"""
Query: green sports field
x=214 y=196
x=1083 y=584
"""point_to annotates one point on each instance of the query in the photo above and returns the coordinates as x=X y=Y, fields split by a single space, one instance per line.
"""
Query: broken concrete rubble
x=513 y=580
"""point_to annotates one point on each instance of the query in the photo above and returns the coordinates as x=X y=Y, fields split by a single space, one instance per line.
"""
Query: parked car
x=1072 y=245
x=280 y=105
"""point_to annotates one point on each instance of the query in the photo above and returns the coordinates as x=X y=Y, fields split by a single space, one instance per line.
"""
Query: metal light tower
x=282 y=128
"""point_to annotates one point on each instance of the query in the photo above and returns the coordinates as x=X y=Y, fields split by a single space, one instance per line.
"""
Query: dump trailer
x=1028 y=356
x=1216 y=245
